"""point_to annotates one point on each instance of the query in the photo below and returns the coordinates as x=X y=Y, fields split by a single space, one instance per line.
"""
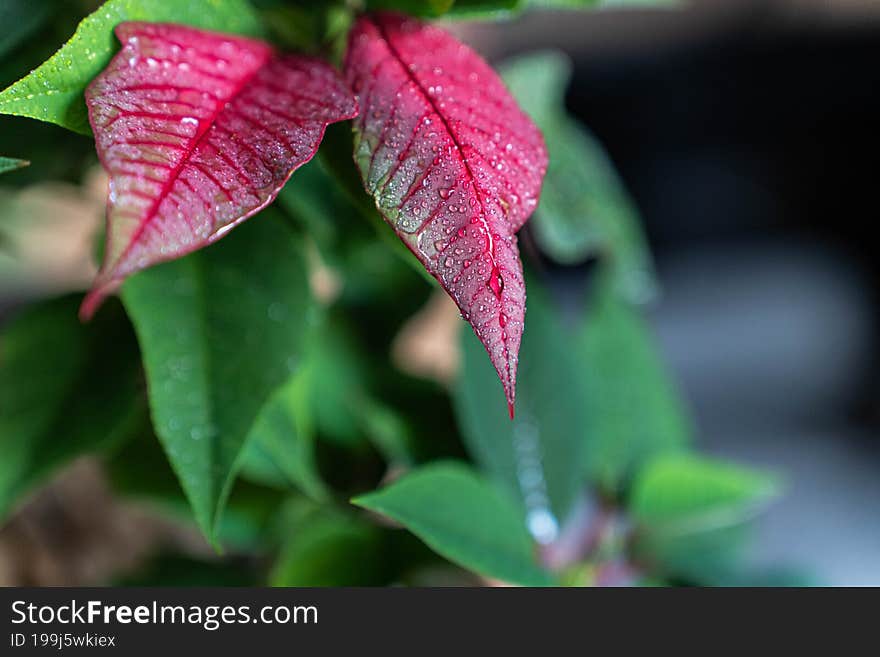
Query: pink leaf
x=198 y=132
x=454 y=165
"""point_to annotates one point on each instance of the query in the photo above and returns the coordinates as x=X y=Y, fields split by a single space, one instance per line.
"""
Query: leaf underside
x=199 y=131
x=454 y=166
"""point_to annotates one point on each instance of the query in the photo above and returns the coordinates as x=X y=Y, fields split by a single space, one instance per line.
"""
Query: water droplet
x=444 y=193
x=448 y=262
x=496 y=282
x=502 y=320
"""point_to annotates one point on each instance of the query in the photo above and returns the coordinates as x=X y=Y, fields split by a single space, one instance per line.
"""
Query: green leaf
x=584 y=208
x=635 y=410
x=54 y=91
x=685 y=494
x=139 y=470
x=464 y=518
x=11 y=164
x=329 y=548
x=692 y=513
x=65 y=390
x=280 y=447
x=587 y=4
x=20 y=19
x=539 y=456
x=220 y=331
x=485 y=9
x=426 y=8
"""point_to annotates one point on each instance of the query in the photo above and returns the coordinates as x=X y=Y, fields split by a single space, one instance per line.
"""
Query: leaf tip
x=94 y=298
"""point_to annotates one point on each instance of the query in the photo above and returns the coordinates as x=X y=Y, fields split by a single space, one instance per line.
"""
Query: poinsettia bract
x=199 y=131
x=455 y=168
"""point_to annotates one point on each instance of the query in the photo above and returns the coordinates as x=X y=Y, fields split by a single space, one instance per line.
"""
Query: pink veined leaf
x=199 y=131
x=455 y=168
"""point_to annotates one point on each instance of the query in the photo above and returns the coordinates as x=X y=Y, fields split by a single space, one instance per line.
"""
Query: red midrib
x=430 y=101
x=491 y=242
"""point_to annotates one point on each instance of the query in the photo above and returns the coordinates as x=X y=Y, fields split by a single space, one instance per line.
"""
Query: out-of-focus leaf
x=188 y=162
x=220 y=331
x=453 y=182
x=54 y=91
x=65 y=390
x=11 y=164
x=336 y=387
x=464 y=518
x=329 y=548
x=451 y=9
x=539 y=456
x=684 y=494
x=584 y=208
x=139 y=470
x=20 y=19
x=634 y=408
x=427 y=8
x=319 y=204
x=280 y=446
x=589 y=4
x=692 y=514
x=484 y=9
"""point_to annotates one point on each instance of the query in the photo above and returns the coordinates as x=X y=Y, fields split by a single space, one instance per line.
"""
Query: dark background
x=747 y=134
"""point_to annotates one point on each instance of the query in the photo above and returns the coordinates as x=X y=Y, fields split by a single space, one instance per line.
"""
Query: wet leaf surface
x=454 y=166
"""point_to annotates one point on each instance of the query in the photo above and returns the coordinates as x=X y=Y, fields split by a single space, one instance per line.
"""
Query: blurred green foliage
x=270 y=410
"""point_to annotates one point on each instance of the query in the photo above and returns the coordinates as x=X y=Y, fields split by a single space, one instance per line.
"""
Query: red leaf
x=198 y=132
x=455 y=168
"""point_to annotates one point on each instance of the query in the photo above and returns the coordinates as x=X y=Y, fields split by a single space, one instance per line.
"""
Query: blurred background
x=746 y=133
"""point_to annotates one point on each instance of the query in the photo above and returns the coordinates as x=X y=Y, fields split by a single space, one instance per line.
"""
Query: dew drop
x=496 y=282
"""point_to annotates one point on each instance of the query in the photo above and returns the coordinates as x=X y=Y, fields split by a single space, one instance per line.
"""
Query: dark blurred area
x=746 y=132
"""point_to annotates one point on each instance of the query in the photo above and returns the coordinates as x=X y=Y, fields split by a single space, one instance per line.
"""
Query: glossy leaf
x=11 y=164
x=220 y=331
x=454 y=166
x=65 y=390
x=636 y=412
x=464 y=518
x=538 y=457
x=585 y=209
x=198 y=132
x=54 y=91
